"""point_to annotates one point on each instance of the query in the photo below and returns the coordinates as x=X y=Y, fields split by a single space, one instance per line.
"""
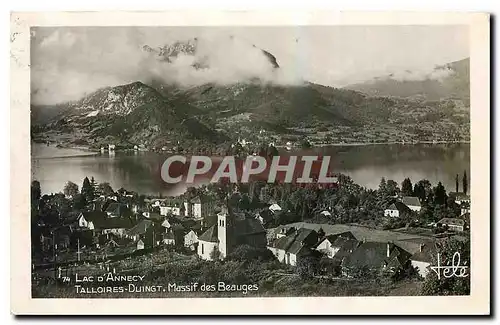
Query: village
x=98 y=229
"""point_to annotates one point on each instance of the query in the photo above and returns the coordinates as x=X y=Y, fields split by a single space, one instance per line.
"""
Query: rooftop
x=411 y=200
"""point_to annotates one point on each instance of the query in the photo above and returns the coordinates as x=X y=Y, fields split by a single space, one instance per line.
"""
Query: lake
x=365 y=164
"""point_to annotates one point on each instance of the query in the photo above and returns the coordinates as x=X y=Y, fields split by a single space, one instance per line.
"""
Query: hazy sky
x=69 y=62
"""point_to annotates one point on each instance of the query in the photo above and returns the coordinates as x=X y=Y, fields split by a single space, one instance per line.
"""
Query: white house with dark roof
x=375 y=256
x=118 y=210
x=423 y=259
x=326 y=213
x=412 y=202
x=290 y=248
x=331 y=244
x=191 y=240
x=396 y=209
x=168 y=238
x=199 y=207
x=170 y=206
x=459 y=197
x=274 y=207
x=453 y=224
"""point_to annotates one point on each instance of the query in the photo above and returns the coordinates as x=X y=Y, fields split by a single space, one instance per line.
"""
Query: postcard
x=250 y=163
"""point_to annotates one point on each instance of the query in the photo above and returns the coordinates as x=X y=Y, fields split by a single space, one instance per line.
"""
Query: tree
x=307 y=266
x=79 y=201
x=105 y=189
x=305 y=144
x=465 y=183
x=70 y=189
x=383 y=185
x=392 y=187
x=406 y=187
x=456 y=183
x=440 y=194
x=422 y=189
x=87 y=190
x=93 y=183
x=36 y=193
x=272 y=151
x=247 y=253
x=453 y=285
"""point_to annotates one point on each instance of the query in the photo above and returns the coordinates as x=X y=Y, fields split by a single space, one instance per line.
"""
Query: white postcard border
x=477 y=303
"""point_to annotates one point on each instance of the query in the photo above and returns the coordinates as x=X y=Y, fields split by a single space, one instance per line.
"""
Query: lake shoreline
x=138 y=171
x=92 y=152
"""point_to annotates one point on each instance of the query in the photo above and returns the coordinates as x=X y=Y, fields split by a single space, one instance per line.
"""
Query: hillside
x=209 y=116
x=324 y=114
x=128 y=114
x=449 y=81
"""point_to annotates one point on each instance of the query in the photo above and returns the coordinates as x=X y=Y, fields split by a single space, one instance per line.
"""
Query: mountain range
x=446 y=81
x=160 y=114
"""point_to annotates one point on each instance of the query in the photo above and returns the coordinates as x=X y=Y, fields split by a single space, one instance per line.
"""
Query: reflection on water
x=140 y=171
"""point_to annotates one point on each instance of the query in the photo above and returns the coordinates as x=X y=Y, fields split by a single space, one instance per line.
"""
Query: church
x=231 y=230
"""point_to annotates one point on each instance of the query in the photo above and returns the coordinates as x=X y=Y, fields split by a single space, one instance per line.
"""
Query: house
x=208 y=243
x=87 y=219
x=459 y=197
x=156 y=203
x=110 y=246
x=412 y=202
x=396 y=210
x=326 y=213
x=424 y=258
x=168 y=238
x=170 y=206
x=332 y=244
x=139 y=230
x=375 y=257
x=283 y=231
x=274 y=208
x=453 y=224
x=345 y=247
x=191 y=240
x=465 y=208
x=125 y=193
x=165 y=224
x=153 y=216
x=115 y=226
x=264 y=216
x=118 y=210
x=230 y=231
x=297 y=244
x=170 y=210
x=199 y=207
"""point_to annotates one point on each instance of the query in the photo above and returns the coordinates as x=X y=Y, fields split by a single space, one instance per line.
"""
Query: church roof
x=210 y=235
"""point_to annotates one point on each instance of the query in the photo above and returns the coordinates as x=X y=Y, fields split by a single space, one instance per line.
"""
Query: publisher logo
x=285 y=169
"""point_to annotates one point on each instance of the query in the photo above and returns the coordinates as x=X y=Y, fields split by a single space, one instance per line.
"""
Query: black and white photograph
x=251 y=161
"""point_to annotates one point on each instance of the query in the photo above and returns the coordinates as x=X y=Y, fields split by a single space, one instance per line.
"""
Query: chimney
x=388 y=249
x=421 y=247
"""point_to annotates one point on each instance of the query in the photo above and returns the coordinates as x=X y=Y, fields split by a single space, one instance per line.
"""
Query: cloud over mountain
x=69 y=63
